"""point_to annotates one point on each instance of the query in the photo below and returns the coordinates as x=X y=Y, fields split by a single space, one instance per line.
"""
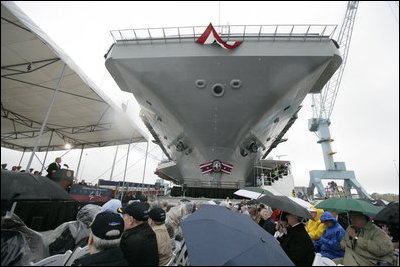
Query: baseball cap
x=157 y=214
x=107 y=225
x=138 y=210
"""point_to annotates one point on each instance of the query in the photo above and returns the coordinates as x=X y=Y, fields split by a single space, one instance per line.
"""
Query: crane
x=322 y=104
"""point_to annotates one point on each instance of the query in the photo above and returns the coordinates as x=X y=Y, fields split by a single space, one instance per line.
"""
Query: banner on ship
x=210 y=36
x=216 y=166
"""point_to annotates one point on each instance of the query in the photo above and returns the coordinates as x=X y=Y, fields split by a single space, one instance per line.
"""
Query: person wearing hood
x=315 y=228
x=113 y=206
x=329 y=243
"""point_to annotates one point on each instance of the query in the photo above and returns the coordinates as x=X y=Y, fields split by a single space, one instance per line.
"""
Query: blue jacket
x=329 y=243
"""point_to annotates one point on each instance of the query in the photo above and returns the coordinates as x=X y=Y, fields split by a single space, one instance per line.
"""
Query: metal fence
x=229 y=32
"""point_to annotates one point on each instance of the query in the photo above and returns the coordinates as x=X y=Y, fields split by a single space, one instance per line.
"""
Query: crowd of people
x=143 y=233
x=138 y=234
x=273 y=174
x=19 y=169
x=51 y=169
x=331 y=189
x=353 y=241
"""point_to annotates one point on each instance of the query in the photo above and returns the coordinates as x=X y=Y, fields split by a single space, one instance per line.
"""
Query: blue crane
x=322 y=104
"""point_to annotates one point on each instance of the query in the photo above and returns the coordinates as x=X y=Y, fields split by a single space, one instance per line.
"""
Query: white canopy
x=31 y=67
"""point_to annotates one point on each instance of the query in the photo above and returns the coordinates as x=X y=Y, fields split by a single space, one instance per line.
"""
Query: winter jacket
x=315 y=228
x=163 y=243
x=372 y=246
x=139 y=245
x=329 y=243
x=298 y=245
x=109 y=257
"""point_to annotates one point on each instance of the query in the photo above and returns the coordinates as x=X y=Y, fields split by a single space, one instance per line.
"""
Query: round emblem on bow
x=216 y=165
x=68 y=173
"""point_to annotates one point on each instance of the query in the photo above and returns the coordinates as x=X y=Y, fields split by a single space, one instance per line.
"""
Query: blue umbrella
x=217 y=236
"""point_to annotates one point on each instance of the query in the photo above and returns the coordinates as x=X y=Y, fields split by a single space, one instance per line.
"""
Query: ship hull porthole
x=200 y=83
x=236 y=84
x=218 y=90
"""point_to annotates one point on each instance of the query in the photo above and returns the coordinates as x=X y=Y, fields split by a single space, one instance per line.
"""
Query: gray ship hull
x=203 y=103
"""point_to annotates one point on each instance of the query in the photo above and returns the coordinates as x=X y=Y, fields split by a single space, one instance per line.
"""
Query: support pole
x=14 y=205
x=115 y=157
x=325 y=142
x=395 y=166
x=79 y=164
x=145 y=161
x=37 y=142
x=126 y=164
x=38 y=158
x=23 y=153
x=47 y=150
x=69 y=150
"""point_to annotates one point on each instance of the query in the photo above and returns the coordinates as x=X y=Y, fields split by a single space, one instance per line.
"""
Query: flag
x=206 y=167
x=210 y=36
x=226 y=168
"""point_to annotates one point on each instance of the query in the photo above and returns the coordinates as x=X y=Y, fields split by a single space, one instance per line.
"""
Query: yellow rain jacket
x=315 y=228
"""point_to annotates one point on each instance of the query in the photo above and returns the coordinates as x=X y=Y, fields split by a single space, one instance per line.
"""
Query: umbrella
x=347 y=205
x=301 y=202
x=377 y=202
x=389 y=214
x=26 y=186
x=217 y=236
x=285 y=204
x=252 y=192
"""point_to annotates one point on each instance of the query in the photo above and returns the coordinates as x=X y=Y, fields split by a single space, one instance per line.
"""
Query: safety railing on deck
x=229 y=32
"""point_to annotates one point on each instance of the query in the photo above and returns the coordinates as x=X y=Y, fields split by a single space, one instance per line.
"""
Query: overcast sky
x=365 y=120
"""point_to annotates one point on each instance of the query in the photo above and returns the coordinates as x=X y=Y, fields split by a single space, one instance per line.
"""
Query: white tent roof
x=31 y=66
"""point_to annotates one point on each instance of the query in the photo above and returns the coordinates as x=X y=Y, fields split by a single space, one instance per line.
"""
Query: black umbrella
x=286 y=204
x=25 y=186
x=389 y=214
x=376 y=202
x=217 y=236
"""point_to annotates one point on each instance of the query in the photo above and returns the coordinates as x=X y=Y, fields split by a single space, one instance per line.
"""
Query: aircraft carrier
x=214 y=111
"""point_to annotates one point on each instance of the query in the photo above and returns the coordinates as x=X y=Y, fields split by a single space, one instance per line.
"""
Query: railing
x=229 y=32
x=336 y=191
